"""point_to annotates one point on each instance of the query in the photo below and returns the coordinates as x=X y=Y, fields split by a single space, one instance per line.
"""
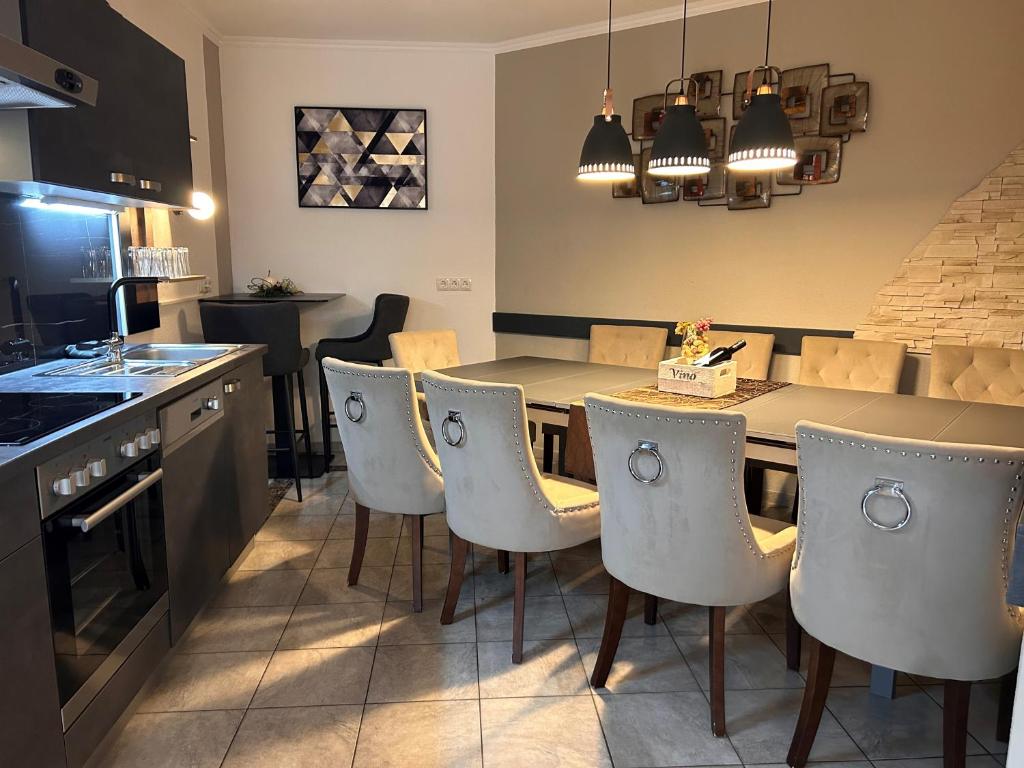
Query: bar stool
x=674 y=525
x=902 y=561
x=494 y=494
x=370 y=346
x=391 y=466
x=275 y=324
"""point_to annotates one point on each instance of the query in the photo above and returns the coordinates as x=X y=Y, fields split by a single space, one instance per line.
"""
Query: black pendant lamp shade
x=764 y=139
x=607 y=154
x=681 y=147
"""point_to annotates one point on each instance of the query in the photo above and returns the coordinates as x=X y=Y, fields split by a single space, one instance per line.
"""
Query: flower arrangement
x=270 y=287
x=695 y=338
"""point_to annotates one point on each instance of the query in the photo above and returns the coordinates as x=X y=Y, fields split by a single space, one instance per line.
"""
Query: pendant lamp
x=607 y=154
x=681 y=146
x=764 y=139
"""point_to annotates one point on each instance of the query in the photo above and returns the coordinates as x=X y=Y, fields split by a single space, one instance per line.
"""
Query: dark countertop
x=156 y=392
x=297 y=298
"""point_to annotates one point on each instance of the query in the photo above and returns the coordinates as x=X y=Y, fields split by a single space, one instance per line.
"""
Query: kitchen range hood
x=32 y=80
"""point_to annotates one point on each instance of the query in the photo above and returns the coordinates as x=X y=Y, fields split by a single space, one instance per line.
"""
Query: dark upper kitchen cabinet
x=134 y=143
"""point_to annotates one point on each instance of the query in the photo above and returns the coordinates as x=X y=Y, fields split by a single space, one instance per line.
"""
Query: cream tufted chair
x=673 y=523
x=979 y=374
x=495 y=496
x=425 y=350
x=901 y=561
x=871 y=366
x=391 y=466
x=754 y=360
x=630 y=345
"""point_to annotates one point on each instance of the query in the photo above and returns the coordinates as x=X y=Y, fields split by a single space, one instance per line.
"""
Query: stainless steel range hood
x=32 y=80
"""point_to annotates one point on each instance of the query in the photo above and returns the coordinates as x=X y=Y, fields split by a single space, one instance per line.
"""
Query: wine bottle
x=720 y=354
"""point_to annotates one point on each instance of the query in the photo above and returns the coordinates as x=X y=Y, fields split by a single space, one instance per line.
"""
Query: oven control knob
x=130 y=448
x=142 y=440
x=64 y=486
x=212 y=404
x=97 y=467
x=153 y=435
x=81 y=477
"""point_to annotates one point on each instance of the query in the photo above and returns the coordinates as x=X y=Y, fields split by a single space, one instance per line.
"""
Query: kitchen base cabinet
x=244 y=403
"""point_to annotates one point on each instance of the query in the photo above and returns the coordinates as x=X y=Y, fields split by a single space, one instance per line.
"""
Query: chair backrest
x=275 y=324
x=425 y=350
x=391 y=466
x=927 y=598
x=372 y=345
x=630 y=345
x=493 y=488
x=754 y=360
x=979 y=374
x=871 y=366
x=687 y=535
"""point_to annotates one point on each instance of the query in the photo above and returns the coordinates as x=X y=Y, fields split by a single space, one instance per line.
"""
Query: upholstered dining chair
x=755 y=359
x=978 y=374
x=370 y=346
x=673 y=521
x=634 y=346
x=901 y=561
x=494 y=494
x=425 y=350
x=391 y=465
x=870 y=366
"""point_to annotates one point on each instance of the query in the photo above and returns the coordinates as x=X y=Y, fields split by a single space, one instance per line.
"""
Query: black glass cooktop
x=27 y=416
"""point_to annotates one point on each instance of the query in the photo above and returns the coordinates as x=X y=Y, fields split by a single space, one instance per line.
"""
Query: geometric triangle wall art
x=361 y=157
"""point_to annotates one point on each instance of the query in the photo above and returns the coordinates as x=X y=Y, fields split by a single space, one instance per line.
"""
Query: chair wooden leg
x=650 y=610
x=325 y=417
x=307 y=440
x=716 y=644
x=819 y=677
x=458 y=569
x=519 y=608
x=416 y=522
x=794 y=636
x=359 y=545
x=1007 y=693
x=290 y=388
x=618 y=605
x=955 y=702
x=502 y=561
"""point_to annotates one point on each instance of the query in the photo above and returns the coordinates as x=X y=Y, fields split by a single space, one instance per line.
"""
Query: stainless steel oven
x=106 y=564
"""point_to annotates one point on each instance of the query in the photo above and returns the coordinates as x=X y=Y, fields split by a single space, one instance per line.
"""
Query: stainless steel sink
x=149 y=360
x=190 y=353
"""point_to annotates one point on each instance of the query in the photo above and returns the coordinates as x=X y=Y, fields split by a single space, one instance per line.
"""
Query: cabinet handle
x=231 y=386
x=155 y=186
x=122 y=178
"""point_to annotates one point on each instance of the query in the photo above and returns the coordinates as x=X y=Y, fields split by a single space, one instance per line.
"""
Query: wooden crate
x=682 y=379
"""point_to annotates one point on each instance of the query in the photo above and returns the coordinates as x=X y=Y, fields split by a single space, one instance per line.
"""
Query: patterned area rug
x=746 y=389
x=278 y=488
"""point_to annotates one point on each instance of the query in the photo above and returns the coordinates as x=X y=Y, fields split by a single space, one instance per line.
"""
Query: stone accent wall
x=964 y=283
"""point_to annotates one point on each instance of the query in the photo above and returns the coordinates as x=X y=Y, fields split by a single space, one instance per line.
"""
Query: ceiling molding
x=209 y=30
x=245 y=41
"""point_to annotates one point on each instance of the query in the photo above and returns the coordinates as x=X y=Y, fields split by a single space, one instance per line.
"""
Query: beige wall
x=944 y=77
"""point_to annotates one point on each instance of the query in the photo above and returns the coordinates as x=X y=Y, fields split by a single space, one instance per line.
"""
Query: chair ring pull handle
x=453 y=417
x=355 y=397
x=892 y=489
x=645 y=446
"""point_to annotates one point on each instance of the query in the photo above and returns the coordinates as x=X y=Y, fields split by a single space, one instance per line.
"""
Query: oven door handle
x=91 y=521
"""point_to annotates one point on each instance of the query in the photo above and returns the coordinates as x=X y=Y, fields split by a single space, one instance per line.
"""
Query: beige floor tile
x=751 y=662
x=315 y=677
x=280 y=555
x=330 y=585
x=261 y=588
x=318 y=506
x=382 y=525
x=770 y=613
x=203 y=681
x=847 y=670
x=336 y=625
x=540 y=579
x=426 y=734
x=684 y=619
x=171 y=740
x=653 y=730
x=424 y=673
x=435 y=582
x=973 y=761
x=236 y=629
x=590 y=550
x=403 y=627
x=295 y=528
x=580 y=577
x=549 y=668
x=642 y=665
x=337 y=553
x=310 y=737
x=435 y=550
x=587 y=614
x=433 y=525
x=544 y=618
x=545 y=732
x=982 y=715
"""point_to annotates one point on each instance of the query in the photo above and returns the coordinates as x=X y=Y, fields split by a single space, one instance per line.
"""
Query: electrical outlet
x=465 y=284
x=443 y=284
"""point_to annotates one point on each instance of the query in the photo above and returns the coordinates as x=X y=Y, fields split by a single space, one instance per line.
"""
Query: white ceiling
x=483 y=22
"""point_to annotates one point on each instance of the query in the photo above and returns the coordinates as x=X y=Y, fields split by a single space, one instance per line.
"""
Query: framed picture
x=748 y=190
x=648 y=113
x=844 y=109
x=714 y=132
x=628 y=188
x=820 y=158
x=361 y=157
x=739 y=92
x=709 y=93
x=710 y=186
x=800 y=90
x=655 y=189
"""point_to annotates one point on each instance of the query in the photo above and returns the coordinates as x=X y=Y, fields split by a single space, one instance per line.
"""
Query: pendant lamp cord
x=768 y=33
x=608 y=79
x=682 y=55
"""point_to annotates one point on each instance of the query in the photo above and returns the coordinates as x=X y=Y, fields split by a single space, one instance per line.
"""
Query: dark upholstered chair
x=371 y=346
x=276 y=325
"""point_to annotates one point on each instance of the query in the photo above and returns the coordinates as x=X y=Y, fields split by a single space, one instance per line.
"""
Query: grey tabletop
x=298 y=298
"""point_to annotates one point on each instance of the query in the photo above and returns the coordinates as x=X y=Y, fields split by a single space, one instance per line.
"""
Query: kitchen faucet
x=115 y=344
